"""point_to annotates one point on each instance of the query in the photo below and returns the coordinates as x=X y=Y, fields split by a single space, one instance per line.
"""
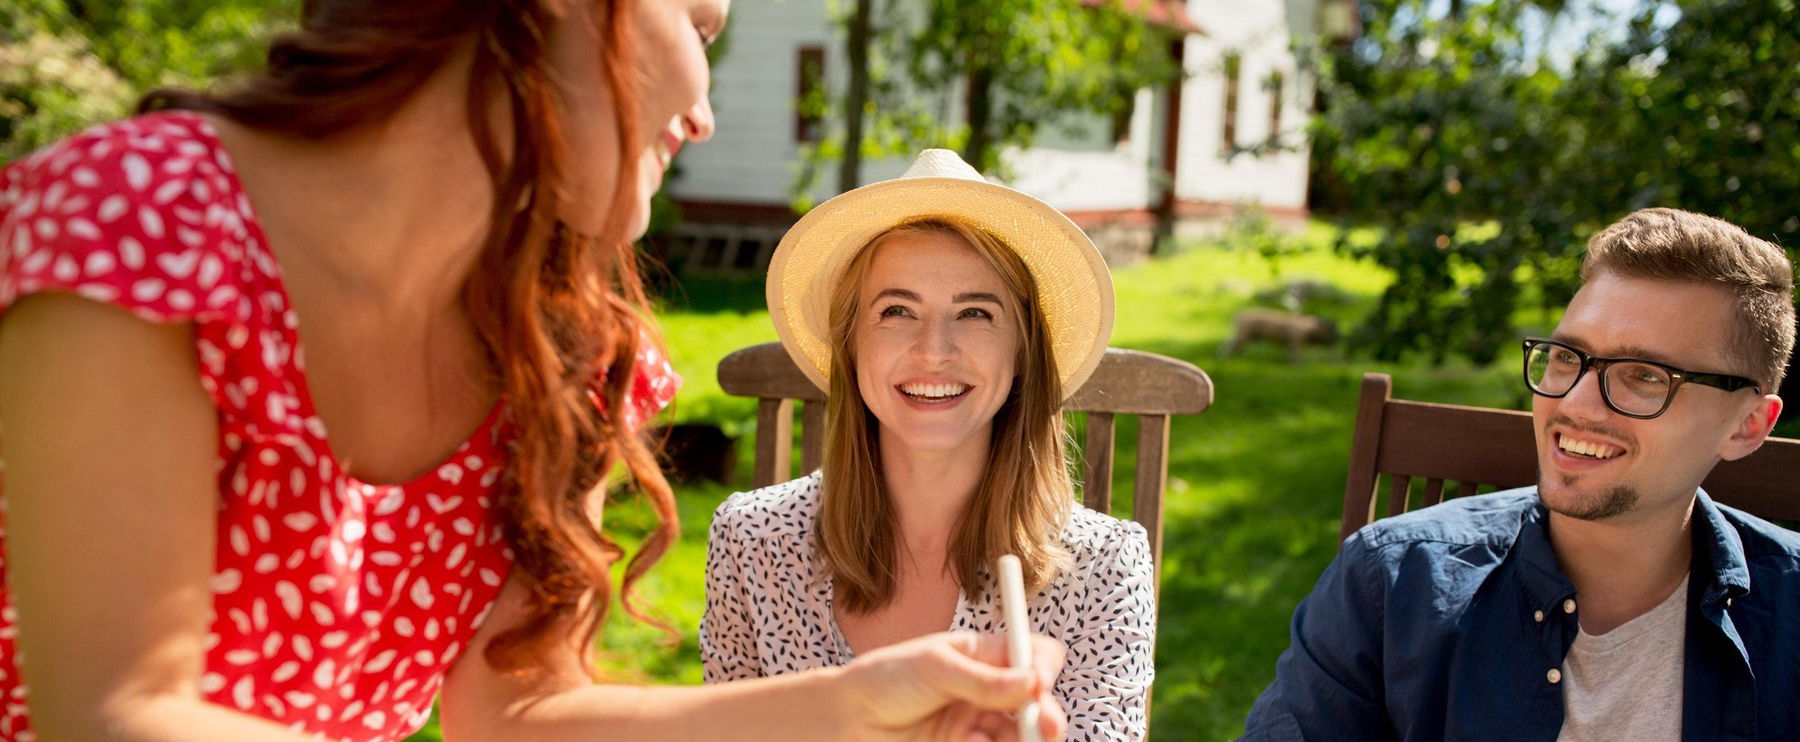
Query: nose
x=936 y=343
x=697 y=123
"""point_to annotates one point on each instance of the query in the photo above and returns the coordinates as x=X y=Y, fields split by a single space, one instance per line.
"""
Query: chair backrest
x=1483 y=449
x=1127 y=382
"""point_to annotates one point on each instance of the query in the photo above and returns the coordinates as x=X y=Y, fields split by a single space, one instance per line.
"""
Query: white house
x=1242 y=87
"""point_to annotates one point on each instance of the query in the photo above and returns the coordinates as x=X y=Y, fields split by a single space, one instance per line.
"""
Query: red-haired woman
x=439 y=198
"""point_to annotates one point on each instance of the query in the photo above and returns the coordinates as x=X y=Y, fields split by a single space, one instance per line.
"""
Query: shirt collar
x=1718 y=560
x=1718 y=552
x=1542 y=576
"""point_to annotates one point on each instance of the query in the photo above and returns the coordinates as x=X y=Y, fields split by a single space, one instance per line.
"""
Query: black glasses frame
x=1677 y=377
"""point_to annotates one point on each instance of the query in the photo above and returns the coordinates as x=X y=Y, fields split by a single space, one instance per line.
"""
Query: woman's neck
x=393 y=213
x=931 y=489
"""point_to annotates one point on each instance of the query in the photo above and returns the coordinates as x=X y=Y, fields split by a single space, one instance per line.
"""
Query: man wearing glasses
x=1614 y=600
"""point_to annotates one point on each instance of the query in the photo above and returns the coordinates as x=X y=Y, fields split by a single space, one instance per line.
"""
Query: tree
x=65 y=64
x=1028 y=62
x=1483 y=164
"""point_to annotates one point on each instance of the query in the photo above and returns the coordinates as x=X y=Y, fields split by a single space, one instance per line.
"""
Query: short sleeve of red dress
x=338 y=605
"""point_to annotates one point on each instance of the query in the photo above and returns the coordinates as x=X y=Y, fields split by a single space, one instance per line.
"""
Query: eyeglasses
x=1631 y=387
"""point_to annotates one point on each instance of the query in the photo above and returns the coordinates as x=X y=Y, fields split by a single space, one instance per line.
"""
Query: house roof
x=1170 y=14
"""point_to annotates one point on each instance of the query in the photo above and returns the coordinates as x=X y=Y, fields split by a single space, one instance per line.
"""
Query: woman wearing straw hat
x=947 y=319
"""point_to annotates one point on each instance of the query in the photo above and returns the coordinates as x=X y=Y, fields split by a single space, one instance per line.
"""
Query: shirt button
x=1554 y=675
x=1537 y=616
x=1569 y=605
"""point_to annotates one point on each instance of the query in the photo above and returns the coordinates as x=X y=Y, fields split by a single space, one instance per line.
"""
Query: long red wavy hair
x=562 y=315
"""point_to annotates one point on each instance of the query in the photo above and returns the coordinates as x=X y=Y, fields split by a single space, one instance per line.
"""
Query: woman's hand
x=951 y=686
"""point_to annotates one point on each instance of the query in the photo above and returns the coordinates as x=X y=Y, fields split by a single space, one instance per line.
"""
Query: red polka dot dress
x=338 y=605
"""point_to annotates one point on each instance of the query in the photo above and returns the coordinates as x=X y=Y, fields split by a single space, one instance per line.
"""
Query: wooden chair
x=1127 y=382
x=1484 y=449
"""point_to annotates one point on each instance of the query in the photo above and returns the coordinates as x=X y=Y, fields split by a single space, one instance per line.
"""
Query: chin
x=1591 y=505
x=639 y=223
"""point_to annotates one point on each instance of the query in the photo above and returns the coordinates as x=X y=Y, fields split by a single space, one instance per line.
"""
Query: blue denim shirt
x=1444 y=624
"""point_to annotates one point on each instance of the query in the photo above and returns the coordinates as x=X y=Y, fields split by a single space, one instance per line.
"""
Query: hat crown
x=942 y=163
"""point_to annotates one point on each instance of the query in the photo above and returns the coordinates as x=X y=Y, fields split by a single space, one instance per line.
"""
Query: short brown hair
x=1674 y=245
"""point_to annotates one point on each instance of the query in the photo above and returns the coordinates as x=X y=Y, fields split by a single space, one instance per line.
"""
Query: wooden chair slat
x=1097 y=466
x=1433 y=494
x=812 y=435
x=1465 y=488
x=1152 y=480
x=1399 y=490
x=1365 y=447
x=774 y=440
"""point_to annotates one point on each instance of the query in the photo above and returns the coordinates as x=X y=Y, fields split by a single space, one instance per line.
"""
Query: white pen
x=1018 y=637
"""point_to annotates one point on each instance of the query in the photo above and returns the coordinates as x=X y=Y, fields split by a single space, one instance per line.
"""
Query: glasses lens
x=1637 y=388
x=1551 y=369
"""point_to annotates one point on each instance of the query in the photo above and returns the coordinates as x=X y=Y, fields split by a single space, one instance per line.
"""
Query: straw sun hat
x=1074 y=287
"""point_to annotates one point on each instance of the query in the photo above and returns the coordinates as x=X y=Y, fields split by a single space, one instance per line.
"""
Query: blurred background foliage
x=65 y=64
x=1482 y=144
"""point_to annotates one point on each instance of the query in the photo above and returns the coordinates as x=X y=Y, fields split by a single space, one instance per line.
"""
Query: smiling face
x=936 y=342
x=1595 y=464
x=672 y=75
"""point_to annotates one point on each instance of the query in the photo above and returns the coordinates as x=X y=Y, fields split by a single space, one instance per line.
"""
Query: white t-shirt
x=1626 y=683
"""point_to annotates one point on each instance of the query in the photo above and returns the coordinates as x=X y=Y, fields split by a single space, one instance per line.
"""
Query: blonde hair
x=1025 y=493
x=1673 y=245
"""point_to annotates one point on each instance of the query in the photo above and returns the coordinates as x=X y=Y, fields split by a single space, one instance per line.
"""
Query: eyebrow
x=897 y=293
x=1628 y=351
x=965 y=297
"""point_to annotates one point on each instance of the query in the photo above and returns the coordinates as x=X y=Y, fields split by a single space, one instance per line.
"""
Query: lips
x=667 y=145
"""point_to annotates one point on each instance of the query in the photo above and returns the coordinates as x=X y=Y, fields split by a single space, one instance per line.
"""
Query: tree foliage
x=65 y=64
x=1483 y=162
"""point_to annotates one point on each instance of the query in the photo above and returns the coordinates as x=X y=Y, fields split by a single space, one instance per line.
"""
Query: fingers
x=966 y=668
x=1052 y=723
x=1046 y=658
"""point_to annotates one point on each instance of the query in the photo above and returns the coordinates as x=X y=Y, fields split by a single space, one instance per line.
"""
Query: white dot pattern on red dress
x=338 y=605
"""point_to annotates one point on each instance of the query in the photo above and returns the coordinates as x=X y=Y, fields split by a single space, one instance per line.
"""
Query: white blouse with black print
x=768 y=606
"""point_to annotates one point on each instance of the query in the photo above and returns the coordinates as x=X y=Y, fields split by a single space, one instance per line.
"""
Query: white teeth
x=1589 y=449
x=662 y=152
x=934 y=391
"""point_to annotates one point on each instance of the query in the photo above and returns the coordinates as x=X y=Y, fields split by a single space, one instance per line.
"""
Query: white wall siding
x=753 y=159
x=1261 y=33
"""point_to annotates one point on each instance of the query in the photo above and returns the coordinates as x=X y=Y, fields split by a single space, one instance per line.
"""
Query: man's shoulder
x=1763 y=541
x=1477 y=520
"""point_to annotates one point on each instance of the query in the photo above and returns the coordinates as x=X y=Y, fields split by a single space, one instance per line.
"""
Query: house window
x=1276 y=83
x=809 y=94
x=1228 y=141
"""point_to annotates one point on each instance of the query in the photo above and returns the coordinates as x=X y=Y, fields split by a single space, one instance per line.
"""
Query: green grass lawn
x=1255 y=483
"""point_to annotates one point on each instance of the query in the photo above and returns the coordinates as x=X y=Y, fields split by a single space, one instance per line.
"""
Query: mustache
x=1565 y=421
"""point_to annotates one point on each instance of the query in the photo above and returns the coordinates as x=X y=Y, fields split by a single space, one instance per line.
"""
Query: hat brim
x=1074 y=285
